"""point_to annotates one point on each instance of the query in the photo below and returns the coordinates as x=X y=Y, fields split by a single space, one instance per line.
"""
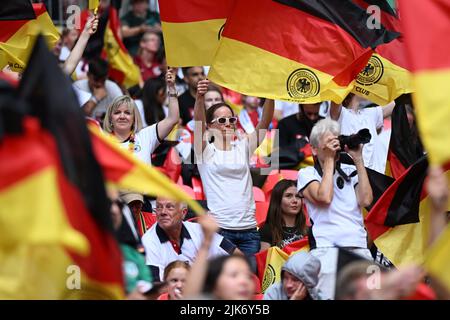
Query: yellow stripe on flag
x=93 y=4
x=16 y=51
x=383 y=82
x=437 y=261
x=191 y=43
x=275 y=260
x=234 y=56
x=432 y=106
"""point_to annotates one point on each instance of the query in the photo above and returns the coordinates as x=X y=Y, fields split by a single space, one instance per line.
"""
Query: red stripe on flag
x=194 y=10
x=300 y=32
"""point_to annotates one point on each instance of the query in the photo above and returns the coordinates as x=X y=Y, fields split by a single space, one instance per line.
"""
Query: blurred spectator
x=172 y=239
x=102 y=91
x=299 y=278
x=175 y=275
x=284 y=109
x=136 y=22
x=147 y=59
x=192 y=75
x=152 y=105
x=251 y=114
x=285 y=222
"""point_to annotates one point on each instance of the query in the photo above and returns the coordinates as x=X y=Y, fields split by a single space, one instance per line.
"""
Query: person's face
x=95 y=83
x=291 y=203
x=410 y=117
x=290 y=283
x=151 y=42
x=235 y=282
x=168 y=213
x=251 y=102
x=318 y=152
x=176 y=281
x=311 y=111
x=122 y=118
x=227 y=128
x=194 y=75
x=211 y=98
x=140 y=7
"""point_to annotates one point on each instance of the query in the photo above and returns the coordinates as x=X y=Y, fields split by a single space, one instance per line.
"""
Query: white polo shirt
x=159 y=251
x=372 y=119
x=341 y=223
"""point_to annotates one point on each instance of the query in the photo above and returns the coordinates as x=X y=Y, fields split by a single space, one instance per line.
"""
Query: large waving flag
x=121 y=66
x=437 y=261
x=126 y=171
x=20 y=24
x=386 y=76
x=302 y=51
x=191 y=30
x=430 y=65
x=270 y=261
x=67 y=249
x=399 y=221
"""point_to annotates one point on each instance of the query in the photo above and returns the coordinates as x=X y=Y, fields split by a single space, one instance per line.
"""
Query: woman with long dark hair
x=153 y=99
x=285 y=222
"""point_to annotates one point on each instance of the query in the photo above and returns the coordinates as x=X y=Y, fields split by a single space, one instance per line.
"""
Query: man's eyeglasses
x=223 y=120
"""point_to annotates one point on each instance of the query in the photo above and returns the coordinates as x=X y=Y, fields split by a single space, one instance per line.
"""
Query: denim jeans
x=248 y=241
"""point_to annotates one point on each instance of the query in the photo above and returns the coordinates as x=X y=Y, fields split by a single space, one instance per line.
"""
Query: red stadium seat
x=289 y=174
x=188 y=190
x=271 y=181
x=261 y=213
x=259 y=195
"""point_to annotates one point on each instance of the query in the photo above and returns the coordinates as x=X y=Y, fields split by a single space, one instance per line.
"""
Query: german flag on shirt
x=301 y=51
x=20 y=24
x=191 y=30
x=426 y=26
x=386 y=76
x=400 y=219
x=122 y=69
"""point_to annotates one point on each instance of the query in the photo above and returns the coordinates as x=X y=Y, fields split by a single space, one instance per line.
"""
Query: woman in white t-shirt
x=223 y=163
x=122 y=120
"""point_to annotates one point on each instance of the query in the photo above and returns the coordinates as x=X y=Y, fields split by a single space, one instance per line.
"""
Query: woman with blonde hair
x=122 y=120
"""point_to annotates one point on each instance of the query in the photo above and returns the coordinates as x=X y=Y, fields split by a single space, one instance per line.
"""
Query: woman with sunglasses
x=223 y=163
x=285 y=222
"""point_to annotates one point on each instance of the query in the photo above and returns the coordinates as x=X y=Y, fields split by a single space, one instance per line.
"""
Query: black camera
x=354 y=140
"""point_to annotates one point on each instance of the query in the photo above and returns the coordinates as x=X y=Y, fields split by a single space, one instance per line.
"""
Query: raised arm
x=77 y=52
x=166 y=125
x=335 y=110
x=266 y=119
x=438 y=192
x=197 y=275
x=387 y=109
x=364 y=192
x=200 y=117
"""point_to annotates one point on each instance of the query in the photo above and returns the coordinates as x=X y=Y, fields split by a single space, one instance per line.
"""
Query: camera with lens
x=352 y=141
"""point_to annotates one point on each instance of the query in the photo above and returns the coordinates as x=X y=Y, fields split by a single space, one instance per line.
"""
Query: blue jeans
x=248 y=241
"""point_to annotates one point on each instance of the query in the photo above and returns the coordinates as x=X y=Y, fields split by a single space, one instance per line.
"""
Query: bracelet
x=173 y=94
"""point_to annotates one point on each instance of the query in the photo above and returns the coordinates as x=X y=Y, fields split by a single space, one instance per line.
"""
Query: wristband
x=173 y=94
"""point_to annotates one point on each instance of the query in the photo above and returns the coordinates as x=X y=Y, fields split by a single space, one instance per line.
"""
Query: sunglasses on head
x=223 y=120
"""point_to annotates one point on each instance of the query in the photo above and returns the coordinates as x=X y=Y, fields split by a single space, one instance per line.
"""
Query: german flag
x=192 y=29
x=437 y=260
x=121 y=66
x=386 y=76
x=20 y=24
x=127 y=172
x=67 y=249
x=399 y=221
x=301 y=51
x=430 y=65
x=405 y=147
x=270 y=261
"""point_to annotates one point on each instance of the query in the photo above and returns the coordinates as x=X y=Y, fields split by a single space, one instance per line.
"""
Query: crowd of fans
x=170 y=254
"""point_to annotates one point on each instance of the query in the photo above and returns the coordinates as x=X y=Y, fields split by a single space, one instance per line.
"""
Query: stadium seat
x=198 y=189
x=261 y=213
x=259 y=195
x=188 y=190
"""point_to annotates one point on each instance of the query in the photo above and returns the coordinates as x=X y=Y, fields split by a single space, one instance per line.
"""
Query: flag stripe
x=297 y=44
x=348 y=16
x=193 y=10
x=272 y=82
x=16 y=10
x=193 y=36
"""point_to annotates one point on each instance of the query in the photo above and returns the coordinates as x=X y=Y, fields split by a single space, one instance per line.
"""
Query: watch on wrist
x=173 y=94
